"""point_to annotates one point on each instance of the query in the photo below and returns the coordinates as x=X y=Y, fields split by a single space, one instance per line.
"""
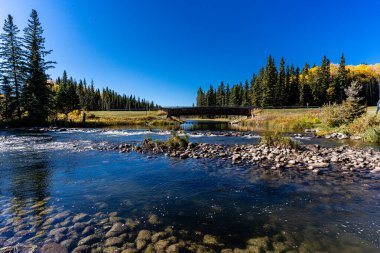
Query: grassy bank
x=367 y=127
x=284 y=120
x=121 y=118
x=102 y=119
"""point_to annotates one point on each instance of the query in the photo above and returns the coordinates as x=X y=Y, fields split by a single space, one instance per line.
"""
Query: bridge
x=209 y=110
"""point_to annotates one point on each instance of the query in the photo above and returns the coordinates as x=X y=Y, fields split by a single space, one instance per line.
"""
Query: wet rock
x=89 y=240
x=117 y=229
x=82 y=249
x=131 y=224
x=53 y=248
x=144 y=235
x=129 y=251
x=161 y=245
x=174 y=248
x=112 y=250
x=80 y=217
x=226 y=251
x=376 y=170
x=210 y=239
x=157 y=236
x=88 y=230
x=78 y=227
x=238 y=250
x=113 y=241
x=153 y=219
x=68 y=244
x=261 y=242
x=140 y=244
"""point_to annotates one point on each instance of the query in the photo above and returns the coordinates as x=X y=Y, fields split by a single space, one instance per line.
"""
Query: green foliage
x=278 y=140
x=67 y=98
x=372 y=135
x=11 y=67
x=37 y=95
x=176 y=141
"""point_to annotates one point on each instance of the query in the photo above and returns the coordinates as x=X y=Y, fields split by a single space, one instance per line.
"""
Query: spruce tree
x=269 y=83
x=322 y=82
x=246 y=100
x=7 y=100
x=200 y=97
x=341 y=81
x=220 y=95
x=11 y=61
x=355 y=102
x=280 y=86
x=37 y=95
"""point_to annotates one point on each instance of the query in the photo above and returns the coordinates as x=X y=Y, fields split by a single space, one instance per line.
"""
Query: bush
x=336 y=115
x=176 y=141
x=278 y=140
x=364 y=122
x=372 y=135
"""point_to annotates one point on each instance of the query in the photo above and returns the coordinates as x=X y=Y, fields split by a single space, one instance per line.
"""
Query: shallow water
x=42 y=174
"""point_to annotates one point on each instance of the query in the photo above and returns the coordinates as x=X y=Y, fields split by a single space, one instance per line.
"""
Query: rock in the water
x=153 y=219
x=89 y=240
x=117 y=229
x=140 y=244
x=144 y=235
x=113 y=241
x=210 y=239
x=54 y=248
x=80 y=217
x=82 y=249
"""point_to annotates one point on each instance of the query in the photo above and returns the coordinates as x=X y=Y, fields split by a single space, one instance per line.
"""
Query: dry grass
x=285 y=119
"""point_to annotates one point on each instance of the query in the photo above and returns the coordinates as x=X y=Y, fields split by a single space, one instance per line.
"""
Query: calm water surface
x=65 y=171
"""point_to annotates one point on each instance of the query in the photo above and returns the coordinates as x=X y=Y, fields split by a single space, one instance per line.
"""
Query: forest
x=291 y=86
x=27 y=92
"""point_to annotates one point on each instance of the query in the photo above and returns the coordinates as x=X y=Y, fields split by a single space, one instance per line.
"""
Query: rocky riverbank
x=40 y=227
x=344 y=161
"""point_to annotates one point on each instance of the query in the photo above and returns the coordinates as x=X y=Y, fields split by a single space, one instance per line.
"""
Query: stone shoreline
x=343 y=161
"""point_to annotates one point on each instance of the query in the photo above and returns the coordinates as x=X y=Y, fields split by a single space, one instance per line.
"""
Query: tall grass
x=278 y=140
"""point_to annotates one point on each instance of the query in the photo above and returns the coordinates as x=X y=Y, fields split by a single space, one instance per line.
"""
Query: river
x=43 y=174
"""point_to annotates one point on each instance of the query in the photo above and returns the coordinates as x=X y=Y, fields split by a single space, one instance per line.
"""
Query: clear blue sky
x=164 y=50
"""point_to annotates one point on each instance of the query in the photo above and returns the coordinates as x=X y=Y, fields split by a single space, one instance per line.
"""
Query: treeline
x=72 y=95
x=27 y=94
x=292 y=86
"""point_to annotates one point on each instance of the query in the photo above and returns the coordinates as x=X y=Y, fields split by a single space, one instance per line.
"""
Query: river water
x=43 y=174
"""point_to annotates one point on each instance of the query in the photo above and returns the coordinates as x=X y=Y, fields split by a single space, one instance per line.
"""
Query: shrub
x=364 y=122
x=176 y=141
x=336 y=115
x=372 y=135
x=277 y=139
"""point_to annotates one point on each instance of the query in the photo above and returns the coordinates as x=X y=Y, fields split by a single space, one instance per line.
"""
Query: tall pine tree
x=37 y=95
x=11 y=61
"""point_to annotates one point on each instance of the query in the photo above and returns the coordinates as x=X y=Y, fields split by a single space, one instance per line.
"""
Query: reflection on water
x=56 y=188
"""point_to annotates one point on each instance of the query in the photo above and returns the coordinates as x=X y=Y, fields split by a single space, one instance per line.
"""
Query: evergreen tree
x=269 y=83
x=280 y=87
x=200 y=97
x=11 y=61
x=227 y=95
x=7 y=100
x=37 y=95
x=341 y=81
x=67 y=99
x=257 y=88
x=210 y=97
x=354 y=101
x=246 y=99
x=305 y=90
x=322 y=82
x=220 y=95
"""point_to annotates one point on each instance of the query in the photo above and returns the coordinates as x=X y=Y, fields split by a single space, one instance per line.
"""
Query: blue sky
x=164 y=50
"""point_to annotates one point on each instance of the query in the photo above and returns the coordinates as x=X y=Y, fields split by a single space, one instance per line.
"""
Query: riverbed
x=63 y=189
